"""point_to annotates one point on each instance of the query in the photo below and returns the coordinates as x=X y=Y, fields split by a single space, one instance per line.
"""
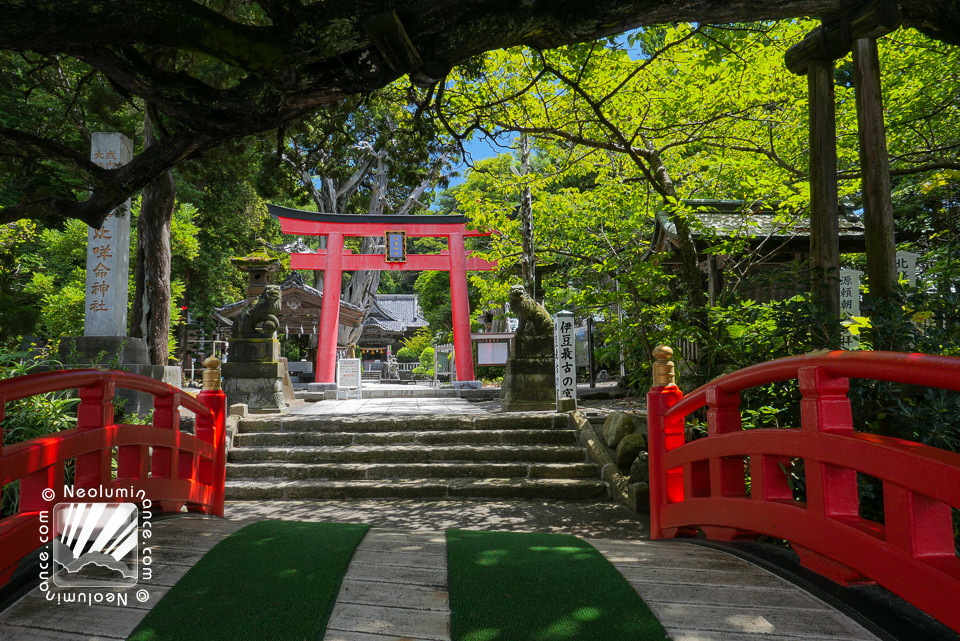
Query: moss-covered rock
x=618 y=425
x=640 y=469
x=638 y=497
x=629 y=449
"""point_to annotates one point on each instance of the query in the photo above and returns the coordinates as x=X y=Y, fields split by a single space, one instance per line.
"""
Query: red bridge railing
x=158 y=462
x=702 y=484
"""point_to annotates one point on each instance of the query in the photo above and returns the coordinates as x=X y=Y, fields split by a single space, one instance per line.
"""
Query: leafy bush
x=419 y=341
x=426 y=359
x=422 y=373
x=407 y=355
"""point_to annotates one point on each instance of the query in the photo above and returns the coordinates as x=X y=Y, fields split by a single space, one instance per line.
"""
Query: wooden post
x=824 y=202
x=874 y=168
x=663 y=368
x=663 y=435
x=330 y=310
x=460 y=309
x=591 y=365
x=814 y=57
x=212 y=429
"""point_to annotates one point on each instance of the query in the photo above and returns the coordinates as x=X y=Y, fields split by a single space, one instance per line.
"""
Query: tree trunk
x=824 y=202
x=875 y=169
x=528 y=256
x=151 y=302
x=689 y=261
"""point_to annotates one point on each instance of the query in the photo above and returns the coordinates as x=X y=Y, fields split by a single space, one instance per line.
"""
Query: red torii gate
x=335 y=259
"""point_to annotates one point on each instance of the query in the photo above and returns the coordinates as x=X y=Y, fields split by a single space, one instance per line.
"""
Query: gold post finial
x=211 y=373
x=663 y=371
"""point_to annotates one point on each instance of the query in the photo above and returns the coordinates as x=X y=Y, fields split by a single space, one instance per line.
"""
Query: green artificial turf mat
x=507 y=586
x=272 y=580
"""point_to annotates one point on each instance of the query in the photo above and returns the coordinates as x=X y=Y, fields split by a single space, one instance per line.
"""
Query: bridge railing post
x=831 y=489
x=663 y=435
x=211 y=429
x=94 y=412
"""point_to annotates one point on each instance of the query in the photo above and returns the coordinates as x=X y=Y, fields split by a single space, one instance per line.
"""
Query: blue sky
x=479 y=148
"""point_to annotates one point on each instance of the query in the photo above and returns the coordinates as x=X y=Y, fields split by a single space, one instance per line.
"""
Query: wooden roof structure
x=299 y=309
x=781 y=234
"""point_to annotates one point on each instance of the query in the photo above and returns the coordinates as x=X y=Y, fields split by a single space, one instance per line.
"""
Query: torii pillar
x=335 y=259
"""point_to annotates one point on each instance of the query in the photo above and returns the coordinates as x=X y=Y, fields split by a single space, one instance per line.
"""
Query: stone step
x=370 y=390
x=402 y=423
x=410 y=453
x=499 y=488
x=370 y=471
x=434 y=437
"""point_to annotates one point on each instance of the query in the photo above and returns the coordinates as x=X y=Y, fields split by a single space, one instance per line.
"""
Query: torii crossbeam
x=336 y=259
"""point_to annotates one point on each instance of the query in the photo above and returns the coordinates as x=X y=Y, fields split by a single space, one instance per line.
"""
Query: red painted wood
x=363 y=228
x=330 y=310
x=666 y=484
x=334 y=260
x=912 y=554
x=186 y=469
x=460 y=309
x=414 y=262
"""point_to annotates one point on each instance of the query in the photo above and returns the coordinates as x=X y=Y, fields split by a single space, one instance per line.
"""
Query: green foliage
x=58 y=286
x=407 y=355
x=433 y=293
x=31 y=417
x=419 y=341
x=423 y=373
x=18 y=313
x=426 y=358
x=56 y=290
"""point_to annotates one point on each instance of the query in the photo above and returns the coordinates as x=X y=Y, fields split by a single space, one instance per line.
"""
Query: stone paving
x=600 y=519
x=388 y=407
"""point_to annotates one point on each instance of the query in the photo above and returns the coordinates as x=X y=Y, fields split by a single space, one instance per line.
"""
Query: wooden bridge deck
x=396 y=588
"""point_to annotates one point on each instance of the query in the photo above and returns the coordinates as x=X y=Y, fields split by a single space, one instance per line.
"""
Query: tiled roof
x=397 y=312
x=733 y=218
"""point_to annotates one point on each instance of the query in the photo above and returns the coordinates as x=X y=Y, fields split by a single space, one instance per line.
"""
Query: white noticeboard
x=493 y=353
x=564 y=354
x=348 y=377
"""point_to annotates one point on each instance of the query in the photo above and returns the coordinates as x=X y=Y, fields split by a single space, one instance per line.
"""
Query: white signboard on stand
x=348 y=377
x=564 y=356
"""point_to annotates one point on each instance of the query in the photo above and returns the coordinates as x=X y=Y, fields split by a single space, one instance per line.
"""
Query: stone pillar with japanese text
x=108 y=249
x=907 y=267
x=564 y=356
x=105 y=342
x=849 y=304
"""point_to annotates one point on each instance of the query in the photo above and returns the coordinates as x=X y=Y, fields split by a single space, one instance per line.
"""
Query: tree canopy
x=214 y=71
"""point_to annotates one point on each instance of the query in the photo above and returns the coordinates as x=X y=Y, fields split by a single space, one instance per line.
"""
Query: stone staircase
x=529 y=456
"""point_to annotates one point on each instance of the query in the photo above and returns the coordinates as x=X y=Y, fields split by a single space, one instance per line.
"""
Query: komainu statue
x=259 y=319
x=528 y=384
x=531 y=314
x=534 y=333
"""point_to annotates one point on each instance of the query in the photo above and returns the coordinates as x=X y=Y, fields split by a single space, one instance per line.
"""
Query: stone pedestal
x=119 y=352
x=254 y=375
x=529 y=383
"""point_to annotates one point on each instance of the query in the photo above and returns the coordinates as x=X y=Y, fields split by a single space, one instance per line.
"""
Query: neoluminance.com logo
x=96 y=544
